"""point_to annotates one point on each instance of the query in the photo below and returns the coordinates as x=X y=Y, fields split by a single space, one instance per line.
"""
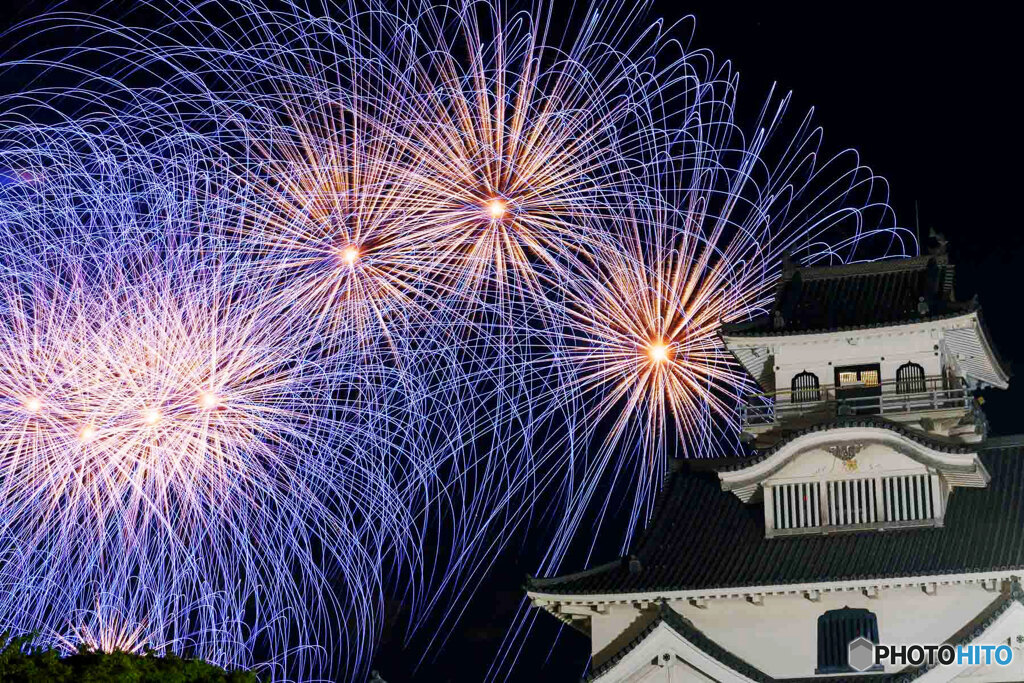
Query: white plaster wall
x=664 y=658
x=604 y=628
x=814 y=354
x=780 y=636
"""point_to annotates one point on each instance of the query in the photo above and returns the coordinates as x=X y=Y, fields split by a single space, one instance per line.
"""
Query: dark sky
x=928 y=100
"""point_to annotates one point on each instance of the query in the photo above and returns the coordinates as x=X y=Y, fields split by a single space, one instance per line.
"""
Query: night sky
x=927 y=99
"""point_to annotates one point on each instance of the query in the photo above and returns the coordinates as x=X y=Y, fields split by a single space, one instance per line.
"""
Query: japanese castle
x=875 y=504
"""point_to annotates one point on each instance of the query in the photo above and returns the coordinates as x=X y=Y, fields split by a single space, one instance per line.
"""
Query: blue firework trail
x=306 y=307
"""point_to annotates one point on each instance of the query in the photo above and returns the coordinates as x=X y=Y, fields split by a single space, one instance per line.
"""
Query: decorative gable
x=855 y=476
x=670 y=649
x=852 y=486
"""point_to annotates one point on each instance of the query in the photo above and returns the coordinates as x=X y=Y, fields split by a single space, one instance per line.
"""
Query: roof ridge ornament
x=847 y=451
x=941 y=243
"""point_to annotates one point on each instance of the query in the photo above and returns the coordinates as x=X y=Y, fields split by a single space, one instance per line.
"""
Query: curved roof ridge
x=883 y=265
x=545 y=581
x=686 y=629
x=933 y=441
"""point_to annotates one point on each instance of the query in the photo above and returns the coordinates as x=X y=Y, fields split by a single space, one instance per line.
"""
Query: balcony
x=763 y=412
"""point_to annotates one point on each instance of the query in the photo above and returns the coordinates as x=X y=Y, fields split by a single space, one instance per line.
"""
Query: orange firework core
x=658 y=352
x=33 y=404
x=350 y=255
x=496 y=208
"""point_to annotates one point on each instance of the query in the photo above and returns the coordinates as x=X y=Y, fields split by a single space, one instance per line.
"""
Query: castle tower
x=874 y=507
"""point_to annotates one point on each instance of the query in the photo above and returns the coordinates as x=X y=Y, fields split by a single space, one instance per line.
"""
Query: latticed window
x=836 y=628
x=903 y=500
x=805 y=388
x=910 y=379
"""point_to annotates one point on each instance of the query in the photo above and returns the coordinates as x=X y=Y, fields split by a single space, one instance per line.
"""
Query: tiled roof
x=878 y=294
x=704 y=538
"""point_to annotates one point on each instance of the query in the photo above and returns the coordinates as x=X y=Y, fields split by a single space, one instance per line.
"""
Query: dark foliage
x=21 y=662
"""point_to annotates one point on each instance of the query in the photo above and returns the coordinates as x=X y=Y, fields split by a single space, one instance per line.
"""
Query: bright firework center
x=875 y=505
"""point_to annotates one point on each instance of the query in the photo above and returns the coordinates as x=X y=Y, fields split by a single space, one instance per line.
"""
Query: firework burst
x=157 y=432
x=330 y=312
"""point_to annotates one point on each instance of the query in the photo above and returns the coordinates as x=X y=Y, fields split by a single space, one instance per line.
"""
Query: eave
x=597 y=603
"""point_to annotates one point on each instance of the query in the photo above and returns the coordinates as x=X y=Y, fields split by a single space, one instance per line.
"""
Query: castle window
x=858 y=378
x=910 y=379
x=805 y=388
x=836 y=628
x=857 y=503
x=858 y=389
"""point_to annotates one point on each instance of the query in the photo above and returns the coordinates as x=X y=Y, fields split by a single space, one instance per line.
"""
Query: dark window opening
x=858 y=389
x=836 y=628
x=805 y=388
x=910 y=379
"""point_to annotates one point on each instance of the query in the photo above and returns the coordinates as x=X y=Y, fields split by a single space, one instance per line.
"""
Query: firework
x=156 y=432
x=176 y=471
x=645 y=375
x=347 y=297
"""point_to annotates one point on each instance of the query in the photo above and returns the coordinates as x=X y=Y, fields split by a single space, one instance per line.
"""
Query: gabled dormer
x=886 y=338
x=855 y=474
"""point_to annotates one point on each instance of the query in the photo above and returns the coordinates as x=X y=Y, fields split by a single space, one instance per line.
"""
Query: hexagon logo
x=862 y=654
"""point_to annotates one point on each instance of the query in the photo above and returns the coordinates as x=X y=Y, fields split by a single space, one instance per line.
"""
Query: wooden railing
x=767 y=409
